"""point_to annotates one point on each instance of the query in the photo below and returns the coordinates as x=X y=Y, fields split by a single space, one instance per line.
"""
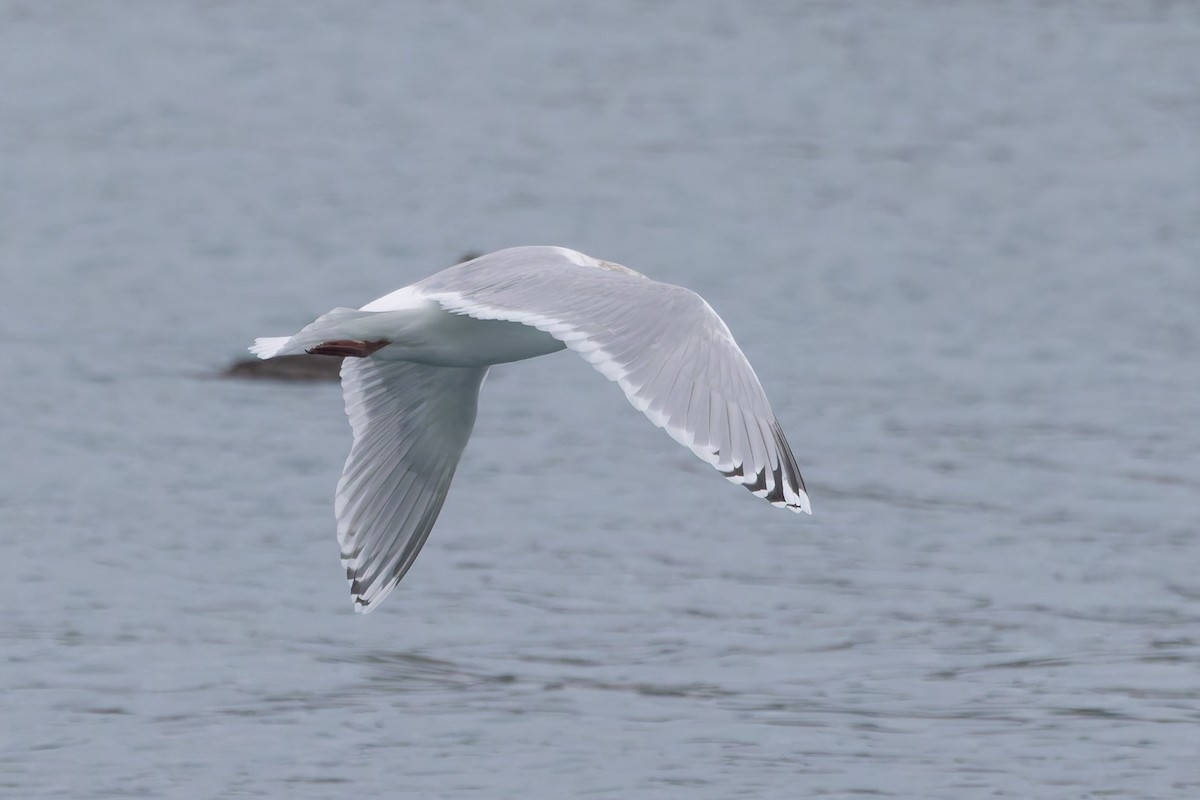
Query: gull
x=415 y=360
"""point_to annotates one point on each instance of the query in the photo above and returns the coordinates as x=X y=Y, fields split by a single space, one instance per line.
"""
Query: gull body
x=416 y=358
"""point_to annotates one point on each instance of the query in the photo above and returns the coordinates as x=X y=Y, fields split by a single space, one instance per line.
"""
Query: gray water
x=959 y=243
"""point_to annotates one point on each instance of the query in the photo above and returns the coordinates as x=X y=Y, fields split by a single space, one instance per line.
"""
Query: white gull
x=416 y=358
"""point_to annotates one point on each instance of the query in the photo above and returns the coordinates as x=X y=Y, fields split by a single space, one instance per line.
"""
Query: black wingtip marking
x=776 y=493
x=785 y=475
x=788 y=461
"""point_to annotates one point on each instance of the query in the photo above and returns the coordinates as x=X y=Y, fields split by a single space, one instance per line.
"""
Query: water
x=958 y=242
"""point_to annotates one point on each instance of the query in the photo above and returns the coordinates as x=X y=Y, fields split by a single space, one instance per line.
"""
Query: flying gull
x=416 y=358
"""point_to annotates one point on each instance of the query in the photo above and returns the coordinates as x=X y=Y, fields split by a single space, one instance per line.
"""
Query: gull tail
x=341 y=324
x=268 y=346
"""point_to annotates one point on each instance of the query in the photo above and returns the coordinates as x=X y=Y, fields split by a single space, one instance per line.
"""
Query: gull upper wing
x=670 y=353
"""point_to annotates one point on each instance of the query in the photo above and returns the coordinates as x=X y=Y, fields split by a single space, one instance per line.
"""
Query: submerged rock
x=286 y=368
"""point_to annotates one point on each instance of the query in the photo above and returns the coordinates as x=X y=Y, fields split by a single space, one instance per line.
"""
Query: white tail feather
x=268 y=346
x=341 y=323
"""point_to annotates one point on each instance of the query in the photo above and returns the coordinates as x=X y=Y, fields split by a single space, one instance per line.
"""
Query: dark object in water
x=286 y=368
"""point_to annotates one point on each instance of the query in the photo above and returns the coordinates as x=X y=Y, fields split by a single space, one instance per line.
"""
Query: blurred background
x=958 y=242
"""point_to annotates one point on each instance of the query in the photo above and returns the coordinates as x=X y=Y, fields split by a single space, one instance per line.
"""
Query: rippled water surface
x=958 y=242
